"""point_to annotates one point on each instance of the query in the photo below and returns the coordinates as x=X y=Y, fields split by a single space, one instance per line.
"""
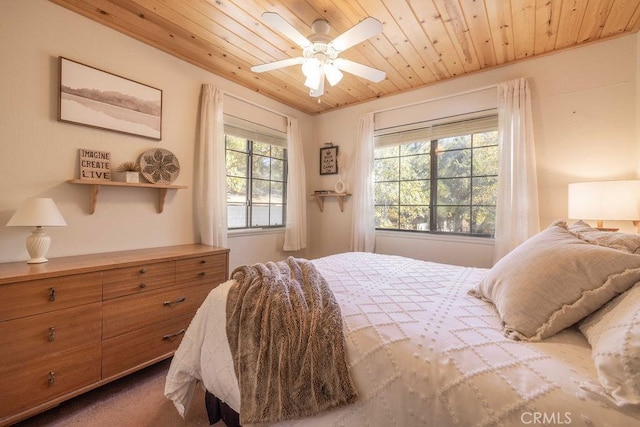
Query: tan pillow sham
x=553 y=280
x=622 y=241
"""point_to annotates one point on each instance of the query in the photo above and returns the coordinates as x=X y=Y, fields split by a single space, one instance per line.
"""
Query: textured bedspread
x=285 y=334
x=421 y=352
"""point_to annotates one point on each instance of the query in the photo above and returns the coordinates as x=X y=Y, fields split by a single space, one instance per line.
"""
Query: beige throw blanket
x=285 y=332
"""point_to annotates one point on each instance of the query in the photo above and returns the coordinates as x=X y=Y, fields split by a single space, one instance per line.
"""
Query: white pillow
x=553 y=280
x=614 y=335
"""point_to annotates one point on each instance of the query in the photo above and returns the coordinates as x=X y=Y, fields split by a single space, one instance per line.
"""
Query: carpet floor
x=134 y=401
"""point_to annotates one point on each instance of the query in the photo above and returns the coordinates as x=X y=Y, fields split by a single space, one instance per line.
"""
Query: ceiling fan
x=320 y=54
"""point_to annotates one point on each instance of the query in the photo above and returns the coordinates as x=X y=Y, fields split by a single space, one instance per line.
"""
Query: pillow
x=622 y=241
x=614 y=335
x=553 y=280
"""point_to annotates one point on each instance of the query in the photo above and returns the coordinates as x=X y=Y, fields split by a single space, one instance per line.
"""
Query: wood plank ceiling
x=423 y=41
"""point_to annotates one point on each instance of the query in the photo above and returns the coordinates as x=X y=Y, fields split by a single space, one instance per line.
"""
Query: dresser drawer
x=23 y=299
x=45 y=334
x=135 y=348
x=46 y=378
x=131 y=280
x=210 y=268
x=122 y=315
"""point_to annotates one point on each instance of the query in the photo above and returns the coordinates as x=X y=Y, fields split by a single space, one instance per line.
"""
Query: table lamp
x=605 y=200
x=37 y=212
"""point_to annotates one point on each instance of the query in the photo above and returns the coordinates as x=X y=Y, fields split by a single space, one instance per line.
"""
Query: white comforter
x=421 y=352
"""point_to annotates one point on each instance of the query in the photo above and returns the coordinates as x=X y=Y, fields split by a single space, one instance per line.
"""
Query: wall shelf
x=319 y=198
x=96 y=184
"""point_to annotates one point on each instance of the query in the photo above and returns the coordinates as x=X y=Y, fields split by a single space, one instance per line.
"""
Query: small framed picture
x=329 y=160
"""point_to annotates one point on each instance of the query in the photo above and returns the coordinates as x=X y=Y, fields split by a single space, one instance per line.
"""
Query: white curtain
x=517 y=204
x=210 y=184
x=295 y=235
x=363 y=233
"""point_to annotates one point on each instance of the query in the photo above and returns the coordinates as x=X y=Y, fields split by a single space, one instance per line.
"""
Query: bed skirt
x=218 y=410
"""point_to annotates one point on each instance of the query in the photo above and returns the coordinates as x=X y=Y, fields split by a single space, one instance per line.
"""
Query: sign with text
x=329 y=160
x=95 y=164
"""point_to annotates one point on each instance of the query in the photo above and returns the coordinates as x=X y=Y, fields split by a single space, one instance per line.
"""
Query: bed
x=433 y=344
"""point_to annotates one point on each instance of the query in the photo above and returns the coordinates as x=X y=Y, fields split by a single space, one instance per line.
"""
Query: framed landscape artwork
x=92 y=97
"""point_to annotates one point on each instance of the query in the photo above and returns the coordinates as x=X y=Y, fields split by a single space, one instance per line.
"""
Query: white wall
x=38 y=154
x=584 y=108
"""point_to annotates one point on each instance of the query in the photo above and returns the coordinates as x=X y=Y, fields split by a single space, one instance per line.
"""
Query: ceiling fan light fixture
x=312 y=71
x=334 y=75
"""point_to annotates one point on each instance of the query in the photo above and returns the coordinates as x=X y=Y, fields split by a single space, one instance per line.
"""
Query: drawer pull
x=202 y=273
x=171 y=336
x=143 y=270
x=52 y=378
x=143 y=285
x=203 y=261
x=52 y=334
x=52 y=294
x=175 y=301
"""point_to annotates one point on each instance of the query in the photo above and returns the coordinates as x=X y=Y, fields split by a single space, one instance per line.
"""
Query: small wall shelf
x=96 y=184
x=319 y=198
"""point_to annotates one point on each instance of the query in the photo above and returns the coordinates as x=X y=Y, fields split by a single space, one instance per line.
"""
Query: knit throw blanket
x=285 y=333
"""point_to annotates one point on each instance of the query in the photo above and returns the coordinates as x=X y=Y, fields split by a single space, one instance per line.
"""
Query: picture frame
x=329 y=160
x=99 y=99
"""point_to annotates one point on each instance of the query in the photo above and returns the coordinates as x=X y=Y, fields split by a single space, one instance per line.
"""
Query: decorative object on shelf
x=95 y=164
x=159 y=166
x=329 y=159
x=340 y=186
x=37 y=212
x=95 y=98
x=127 y=172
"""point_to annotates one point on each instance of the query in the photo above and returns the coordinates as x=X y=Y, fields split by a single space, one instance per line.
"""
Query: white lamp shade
x=37 y=212
x=605 y=200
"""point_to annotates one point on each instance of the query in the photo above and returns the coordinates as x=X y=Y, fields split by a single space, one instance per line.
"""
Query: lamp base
x=38 y=245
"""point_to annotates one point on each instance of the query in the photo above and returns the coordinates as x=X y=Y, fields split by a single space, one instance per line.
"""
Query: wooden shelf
x=96 y=184
x=319 y=198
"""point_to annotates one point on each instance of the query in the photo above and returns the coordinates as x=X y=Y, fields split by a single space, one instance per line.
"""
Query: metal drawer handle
x=202 y=273
x=52 y=377
x=52 y=334
x=143 y=285
x=52 y=294
x=142 y=271
x=203 y=261
x=175 y=301
x=171 y=336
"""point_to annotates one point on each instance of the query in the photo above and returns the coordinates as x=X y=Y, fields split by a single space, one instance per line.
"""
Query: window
x=438 y=179
x=256 y=183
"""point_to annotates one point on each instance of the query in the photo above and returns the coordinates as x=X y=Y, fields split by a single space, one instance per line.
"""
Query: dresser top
x=22 y=271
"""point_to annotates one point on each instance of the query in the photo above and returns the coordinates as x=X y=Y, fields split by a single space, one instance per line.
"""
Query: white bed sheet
x=421 y=352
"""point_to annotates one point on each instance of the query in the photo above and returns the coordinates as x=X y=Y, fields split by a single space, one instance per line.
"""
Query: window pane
x=415 y=167
x=277 y=192
x=236 y=163
x=276 y=217
x=485 y=138
x=453 y=219
x=387 y=169
x=484 y=220
x=261 y=148
x=386 y=193
x=454 y=142
x=386 y=217
x=259 y=191
x=237 y=190
x=392 y=151
x=278 y=152
x=414 y=192
x=259 y=215
x=455 y=191
x=454 y=163
x=277 y=170
x=422 y=147
x=236 y=143
x=414 y=218
x=485 y=190
x=261 y=167
x=236 y=215
x=485 y=160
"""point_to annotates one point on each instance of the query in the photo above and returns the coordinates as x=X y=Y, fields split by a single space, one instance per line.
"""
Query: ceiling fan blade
x=363 y=30
x=278 y=23
x=270 y=66
x=360 y=70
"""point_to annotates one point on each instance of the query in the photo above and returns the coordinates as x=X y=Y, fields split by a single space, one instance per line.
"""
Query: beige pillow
x=553 y=280
x=622 y=241
x=614 y=335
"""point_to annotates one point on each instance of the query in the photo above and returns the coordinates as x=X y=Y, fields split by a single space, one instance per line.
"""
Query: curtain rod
x=436 y=99
x=225 y=93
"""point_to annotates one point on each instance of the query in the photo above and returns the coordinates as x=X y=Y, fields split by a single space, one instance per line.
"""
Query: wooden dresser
x=75 y=323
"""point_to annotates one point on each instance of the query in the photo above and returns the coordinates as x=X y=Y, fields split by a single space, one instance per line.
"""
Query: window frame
x=434 y=180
